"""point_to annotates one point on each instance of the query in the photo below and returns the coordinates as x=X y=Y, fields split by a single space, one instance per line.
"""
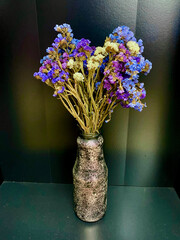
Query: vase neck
x=90 y=150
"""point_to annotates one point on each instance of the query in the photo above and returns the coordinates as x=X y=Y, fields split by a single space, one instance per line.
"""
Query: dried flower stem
x=74 y=70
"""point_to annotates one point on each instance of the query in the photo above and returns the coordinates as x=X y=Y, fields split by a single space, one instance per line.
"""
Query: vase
x=90 y=178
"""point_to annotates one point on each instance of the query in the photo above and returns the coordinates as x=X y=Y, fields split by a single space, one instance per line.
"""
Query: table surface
x=44 y=211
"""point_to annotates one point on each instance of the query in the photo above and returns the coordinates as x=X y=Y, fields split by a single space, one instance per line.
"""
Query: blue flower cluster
x=123 y=34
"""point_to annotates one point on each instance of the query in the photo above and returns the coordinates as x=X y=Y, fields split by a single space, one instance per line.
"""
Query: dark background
x=38 y=136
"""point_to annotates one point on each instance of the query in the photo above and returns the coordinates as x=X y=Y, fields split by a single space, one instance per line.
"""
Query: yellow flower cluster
x=133 y=47
x=111 y=46
x=100 y=50
x=94 y=62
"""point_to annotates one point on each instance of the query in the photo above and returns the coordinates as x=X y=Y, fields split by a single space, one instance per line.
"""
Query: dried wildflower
x=100 y=50
x=70 y=64
x=91 y=81
x=133 y=47
x=111 y=47
x=78 y=77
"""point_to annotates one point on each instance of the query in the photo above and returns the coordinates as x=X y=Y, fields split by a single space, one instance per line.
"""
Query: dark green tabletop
x=45 y=212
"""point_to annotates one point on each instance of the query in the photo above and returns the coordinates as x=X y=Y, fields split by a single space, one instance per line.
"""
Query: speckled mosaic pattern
x=90 y=178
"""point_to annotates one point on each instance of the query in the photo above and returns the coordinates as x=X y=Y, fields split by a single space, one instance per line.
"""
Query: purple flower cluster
x=54 y=65
x=122 y=73
x=82 y=50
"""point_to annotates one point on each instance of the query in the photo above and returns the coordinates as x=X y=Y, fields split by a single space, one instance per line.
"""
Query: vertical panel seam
x=125 y=165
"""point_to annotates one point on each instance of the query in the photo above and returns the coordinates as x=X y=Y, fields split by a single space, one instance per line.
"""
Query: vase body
x=90 y=179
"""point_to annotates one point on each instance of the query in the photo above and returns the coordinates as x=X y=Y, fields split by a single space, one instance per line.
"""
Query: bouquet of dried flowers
x=91 y=81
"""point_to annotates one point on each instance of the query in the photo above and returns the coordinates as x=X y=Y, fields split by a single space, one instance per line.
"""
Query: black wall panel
x=38 y=136
x=149 y=159
x=24 y=149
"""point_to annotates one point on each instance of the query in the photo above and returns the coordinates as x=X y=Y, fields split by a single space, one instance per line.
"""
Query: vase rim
x=89 y=135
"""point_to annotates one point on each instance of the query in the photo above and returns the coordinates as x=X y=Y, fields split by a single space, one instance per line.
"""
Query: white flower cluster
x=78 y=77
x=92 y=65
x=70 y=64
x=73 y=64
x=95 y=61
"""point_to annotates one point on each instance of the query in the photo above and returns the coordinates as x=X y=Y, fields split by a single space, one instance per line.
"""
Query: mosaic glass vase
x=90 y=178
